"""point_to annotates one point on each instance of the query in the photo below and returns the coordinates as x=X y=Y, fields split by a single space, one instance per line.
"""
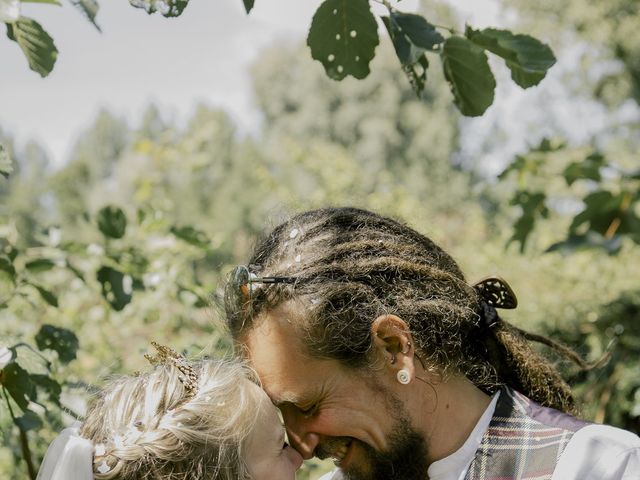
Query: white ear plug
x=403 y=377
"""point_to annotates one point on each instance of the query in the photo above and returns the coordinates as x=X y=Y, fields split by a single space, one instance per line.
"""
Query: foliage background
x=195 y=197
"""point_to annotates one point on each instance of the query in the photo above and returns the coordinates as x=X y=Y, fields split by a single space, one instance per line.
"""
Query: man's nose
x=305 y=444
x=300 y=436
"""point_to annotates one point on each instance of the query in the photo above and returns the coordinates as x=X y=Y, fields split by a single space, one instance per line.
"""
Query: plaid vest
x=524 y=440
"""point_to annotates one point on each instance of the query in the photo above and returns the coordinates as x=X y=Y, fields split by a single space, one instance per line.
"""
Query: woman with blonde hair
x=205 y=420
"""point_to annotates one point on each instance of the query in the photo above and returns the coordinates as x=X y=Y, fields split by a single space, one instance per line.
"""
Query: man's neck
x=448 y=413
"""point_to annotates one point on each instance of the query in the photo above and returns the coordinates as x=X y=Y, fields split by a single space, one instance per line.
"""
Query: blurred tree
x=92 y=160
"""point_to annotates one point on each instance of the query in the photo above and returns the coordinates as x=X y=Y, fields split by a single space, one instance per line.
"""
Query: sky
x=203 y=55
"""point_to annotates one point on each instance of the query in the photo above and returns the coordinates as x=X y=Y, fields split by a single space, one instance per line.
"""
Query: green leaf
x=6 y=356
x=28 y=421
x=167 y=8
x=528 y=58
x=18 y=383
x=39 y=265
x=467 y=70
x=418 y=31
x=112 y=221
x=248 y=5
x=407 y=52
x=532 y=205
x=46 y=295
x=343 y=37
x=52 y=2
x=191 y=235
x=589 y=240
x=607 y=214
x=589 y=169
x=113 y=287
x=6 y=165
x=36 y=44
x=89 y=9
x=7 y=268
x=49 y=386
x=31 y=359
x=412 y=57
x=64 y=342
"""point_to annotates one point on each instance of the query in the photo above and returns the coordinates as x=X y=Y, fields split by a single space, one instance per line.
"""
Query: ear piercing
x=403 y=376
x=393 y=356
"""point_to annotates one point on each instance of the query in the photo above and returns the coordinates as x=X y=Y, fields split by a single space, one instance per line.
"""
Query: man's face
x=332 y=411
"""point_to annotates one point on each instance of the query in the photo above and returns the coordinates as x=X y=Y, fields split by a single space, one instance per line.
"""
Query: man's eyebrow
x=287 y=397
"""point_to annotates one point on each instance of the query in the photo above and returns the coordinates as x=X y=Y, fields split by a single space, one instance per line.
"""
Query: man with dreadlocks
x=381 y=356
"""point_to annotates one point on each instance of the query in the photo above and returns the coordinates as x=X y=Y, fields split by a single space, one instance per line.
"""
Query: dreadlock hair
x=351 y=266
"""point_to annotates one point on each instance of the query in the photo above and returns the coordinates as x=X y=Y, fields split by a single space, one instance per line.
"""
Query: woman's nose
x=295 y=457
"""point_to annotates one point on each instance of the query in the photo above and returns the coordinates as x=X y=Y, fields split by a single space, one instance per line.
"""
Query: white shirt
x=595 y=452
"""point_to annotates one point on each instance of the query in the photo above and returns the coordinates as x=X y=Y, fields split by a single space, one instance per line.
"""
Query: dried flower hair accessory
x=168 y=356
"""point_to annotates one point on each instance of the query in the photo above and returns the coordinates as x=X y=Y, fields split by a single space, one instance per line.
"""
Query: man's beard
x=405 y=459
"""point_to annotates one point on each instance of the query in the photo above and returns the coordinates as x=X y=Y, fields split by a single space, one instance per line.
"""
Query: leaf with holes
x=167 y=8
x=343 y=37
x=6 y=165
x=36 y=44
x=467 y=70
x=528 y=58
x=64 y=342
x=89 y=9
x=112 y=221
x=114 y=289
x=18 y=383
x=248 y=5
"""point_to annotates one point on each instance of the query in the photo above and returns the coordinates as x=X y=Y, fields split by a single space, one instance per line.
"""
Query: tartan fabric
x=524 y=440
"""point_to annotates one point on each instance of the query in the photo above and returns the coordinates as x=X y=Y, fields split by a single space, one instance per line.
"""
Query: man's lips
x=340 y=453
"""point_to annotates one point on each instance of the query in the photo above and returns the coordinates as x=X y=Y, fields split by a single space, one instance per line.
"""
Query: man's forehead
x=276 y=352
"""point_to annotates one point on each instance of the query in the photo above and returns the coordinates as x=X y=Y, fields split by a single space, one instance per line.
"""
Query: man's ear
x=394 y=343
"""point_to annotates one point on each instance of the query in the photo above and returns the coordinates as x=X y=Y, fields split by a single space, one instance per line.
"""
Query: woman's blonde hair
x=151 y=427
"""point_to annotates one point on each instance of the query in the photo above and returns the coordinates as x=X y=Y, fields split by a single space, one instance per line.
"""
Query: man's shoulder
x=600 y=452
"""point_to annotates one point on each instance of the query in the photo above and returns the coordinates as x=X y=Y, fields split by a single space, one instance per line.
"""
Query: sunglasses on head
x=239 y=289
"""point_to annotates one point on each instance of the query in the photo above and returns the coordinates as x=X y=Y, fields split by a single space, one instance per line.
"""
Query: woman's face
x=266 y=454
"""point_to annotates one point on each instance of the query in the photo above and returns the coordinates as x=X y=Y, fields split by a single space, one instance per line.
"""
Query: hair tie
x=494 y=292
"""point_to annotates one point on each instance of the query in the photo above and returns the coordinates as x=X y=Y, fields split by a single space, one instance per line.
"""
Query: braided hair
x=149 y=427
x=352 y=265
